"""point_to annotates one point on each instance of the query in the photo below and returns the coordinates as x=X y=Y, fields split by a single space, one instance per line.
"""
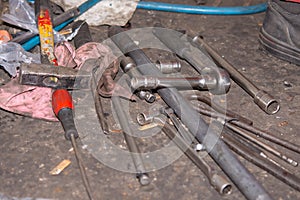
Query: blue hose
x=202 y=10
x=167 y=7
x=181 y=8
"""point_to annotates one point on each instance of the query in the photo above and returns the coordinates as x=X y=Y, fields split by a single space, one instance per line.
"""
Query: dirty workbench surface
x=30 y=148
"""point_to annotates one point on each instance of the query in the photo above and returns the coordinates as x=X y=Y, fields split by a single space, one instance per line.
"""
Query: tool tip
x=144 y=179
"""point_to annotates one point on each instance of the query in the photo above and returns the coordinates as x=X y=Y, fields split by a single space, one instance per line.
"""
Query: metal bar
x=130 y=141
x=243 y=141
x=81 y=168
x=220 y=183
x=268 y=136
x=45 y=75
x=264 y=100
x=263 y=145
x=229 y=163
x=278 y=172
x=196 y=95
x=230 y=123
x=204 y=82
x=254 y=130
x=99 y=108
x=185 y=134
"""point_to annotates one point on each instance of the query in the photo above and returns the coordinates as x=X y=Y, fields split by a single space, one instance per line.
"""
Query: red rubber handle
x=295 y=1
x=61 y=99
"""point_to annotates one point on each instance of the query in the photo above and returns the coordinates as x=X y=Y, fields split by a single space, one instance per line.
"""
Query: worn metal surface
x=46 y=75
x=30 y=148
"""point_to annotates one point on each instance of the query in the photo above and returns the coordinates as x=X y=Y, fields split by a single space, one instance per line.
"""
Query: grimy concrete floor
x=30 y=148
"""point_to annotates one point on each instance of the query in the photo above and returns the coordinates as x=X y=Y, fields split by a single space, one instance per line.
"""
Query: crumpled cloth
x=27 y=100
x=36 y=101
x=68 y=56
x=109 y=12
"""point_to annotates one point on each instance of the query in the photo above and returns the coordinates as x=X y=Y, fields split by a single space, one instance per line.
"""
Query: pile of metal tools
x=185 y=102
x=178 y=103
x=185 y=108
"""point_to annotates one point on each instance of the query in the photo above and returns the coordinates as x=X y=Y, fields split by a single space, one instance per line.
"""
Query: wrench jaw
x=266 y=102
x=146 y=95
x=130 y=68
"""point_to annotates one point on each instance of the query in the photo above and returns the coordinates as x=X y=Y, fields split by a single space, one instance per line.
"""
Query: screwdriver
x=62 y=105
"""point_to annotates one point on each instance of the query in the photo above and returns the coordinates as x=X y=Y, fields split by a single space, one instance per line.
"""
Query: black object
x=83 y=35
x=280 y=33
x=65 y=116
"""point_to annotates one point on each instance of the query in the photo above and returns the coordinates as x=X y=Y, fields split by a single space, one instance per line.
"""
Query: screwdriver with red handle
x=62 y=105
x=63 y=108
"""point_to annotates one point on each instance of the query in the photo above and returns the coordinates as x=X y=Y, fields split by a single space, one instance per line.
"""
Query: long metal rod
x=231 y=123
x=220 y=183
x=251 y=129
x=248 y=144
x=130 y=141
x=263 y=145
x=196 y=95
x=186 y=135
x=265 y=101
x=81 y=168
x=268 y=136
x=217 y=149
x=150 y=82
x=280 y=173
x=100 y=113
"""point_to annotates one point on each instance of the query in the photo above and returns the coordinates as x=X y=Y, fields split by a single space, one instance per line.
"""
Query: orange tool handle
x=62 y=106
x=61 y=99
